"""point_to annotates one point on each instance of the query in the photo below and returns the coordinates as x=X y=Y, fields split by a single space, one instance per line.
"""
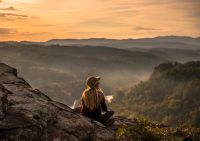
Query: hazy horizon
x=194 y=37
x=41 y=20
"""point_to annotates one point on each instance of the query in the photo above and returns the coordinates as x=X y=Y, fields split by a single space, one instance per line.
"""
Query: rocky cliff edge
x=26 y=114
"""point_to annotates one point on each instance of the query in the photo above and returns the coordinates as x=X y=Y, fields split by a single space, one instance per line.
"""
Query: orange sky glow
x=41 y=20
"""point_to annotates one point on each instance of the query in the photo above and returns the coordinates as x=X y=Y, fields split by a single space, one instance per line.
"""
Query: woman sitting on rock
x=93 y=101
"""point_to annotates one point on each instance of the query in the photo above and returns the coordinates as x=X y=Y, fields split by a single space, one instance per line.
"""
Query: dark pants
x=105 y=117
x=96 y=115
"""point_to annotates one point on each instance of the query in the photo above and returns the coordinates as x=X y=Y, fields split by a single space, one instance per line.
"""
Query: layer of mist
x=61 y=71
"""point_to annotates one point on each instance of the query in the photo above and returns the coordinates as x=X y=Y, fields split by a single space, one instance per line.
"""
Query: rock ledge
x=26 y=114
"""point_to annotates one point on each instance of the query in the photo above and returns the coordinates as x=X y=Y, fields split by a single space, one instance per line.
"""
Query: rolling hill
x=61 y=71
x=172 y=54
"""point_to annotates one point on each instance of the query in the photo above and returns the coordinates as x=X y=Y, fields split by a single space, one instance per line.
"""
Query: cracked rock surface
x=26 y=114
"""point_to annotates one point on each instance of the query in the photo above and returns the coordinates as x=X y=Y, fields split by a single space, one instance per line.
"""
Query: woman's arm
x=103 y=103
x=82 y=104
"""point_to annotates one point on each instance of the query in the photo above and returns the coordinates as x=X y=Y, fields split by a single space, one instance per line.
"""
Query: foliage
x=144 y=130
x=170 y=96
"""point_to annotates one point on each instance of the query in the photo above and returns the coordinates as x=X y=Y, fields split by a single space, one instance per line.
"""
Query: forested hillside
x=171 y=95
x=61 y=71
x=27 y=114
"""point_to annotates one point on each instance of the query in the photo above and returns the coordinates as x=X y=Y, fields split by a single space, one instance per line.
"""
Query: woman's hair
x=92 y=97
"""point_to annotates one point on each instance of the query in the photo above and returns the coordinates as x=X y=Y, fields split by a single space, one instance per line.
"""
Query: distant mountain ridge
x=157 y=42
x=158 y=38
x=182 y=42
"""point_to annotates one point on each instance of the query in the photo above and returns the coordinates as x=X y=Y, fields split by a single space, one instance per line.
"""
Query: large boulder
x=26 y=114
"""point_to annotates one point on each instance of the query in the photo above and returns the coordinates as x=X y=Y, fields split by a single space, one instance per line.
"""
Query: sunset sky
x=40 y=20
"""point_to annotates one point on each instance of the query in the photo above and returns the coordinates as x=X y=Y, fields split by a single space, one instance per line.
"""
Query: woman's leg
x=105 y=117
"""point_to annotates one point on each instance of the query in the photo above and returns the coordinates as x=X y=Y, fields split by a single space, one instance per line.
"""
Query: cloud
x=7 y=31
x=12 y=16
x=79 y=32
x=144 y=28
x=126 y=12
x=102 y=23
x=11 y=8
x=107 y=18
x=11 y=31
x=5 y=15
x=35 y=33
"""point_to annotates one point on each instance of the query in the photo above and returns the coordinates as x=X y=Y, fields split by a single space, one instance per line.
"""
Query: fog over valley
x=60 y=71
